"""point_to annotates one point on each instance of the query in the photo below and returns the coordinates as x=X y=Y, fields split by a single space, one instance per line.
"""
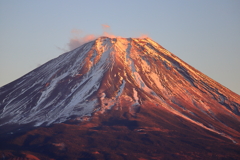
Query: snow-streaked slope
x=99 y=75
x=58 y=89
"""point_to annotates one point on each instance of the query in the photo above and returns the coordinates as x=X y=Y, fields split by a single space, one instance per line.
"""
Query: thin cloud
x=107 y=31
x=78 y=37
x=105 y=26
x=143 y=36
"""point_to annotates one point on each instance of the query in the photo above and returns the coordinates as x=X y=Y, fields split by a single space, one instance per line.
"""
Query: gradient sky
x=203 y=33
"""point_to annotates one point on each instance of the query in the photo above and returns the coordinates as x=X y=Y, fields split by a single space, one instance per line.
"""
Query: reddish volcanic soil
x=153 y=134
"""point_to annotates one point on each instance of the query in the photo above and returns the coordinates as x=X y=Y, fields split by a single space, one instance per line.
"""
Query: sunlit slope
x=115 y=75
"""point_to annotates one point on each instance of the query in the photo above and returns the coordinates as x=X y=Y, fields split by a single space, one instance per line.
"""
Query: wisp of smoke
x=78 y=37
x=107 y=30
x=76 y=42
x=105 y=26
x=142 y=36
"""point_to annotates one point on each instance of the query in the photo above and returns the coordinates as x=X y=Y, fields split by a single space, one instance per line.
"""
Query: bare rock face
x=119 y=98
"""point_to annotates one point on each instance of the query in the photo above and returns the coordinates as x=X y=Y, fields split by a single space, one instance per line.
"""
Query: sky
x=203 y=33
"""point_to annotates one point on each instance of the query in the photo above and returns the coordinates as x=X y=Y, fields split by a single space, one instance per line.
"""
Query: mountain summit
x=129 y=82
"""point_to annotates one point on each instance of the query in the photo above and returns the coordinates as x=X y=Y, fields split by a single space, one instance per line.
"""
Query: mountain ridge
x=109 y=49
x=122 y=83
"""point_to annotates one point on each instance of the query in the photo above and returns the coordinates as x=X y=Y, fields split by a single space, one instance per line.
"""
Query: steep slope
x=116 y=82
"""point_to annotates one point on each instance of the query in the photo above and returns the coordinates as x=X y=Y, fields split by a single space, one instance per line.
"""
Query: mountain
x=118 y=98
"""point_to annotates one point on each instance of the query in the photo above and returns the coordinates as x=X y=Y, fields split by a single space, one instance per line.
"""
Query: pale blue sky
x=203 y=33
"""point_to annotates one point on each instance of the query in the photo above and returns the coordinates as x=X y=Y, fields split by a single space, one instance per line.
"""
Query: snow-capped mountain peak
x=119 y=74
